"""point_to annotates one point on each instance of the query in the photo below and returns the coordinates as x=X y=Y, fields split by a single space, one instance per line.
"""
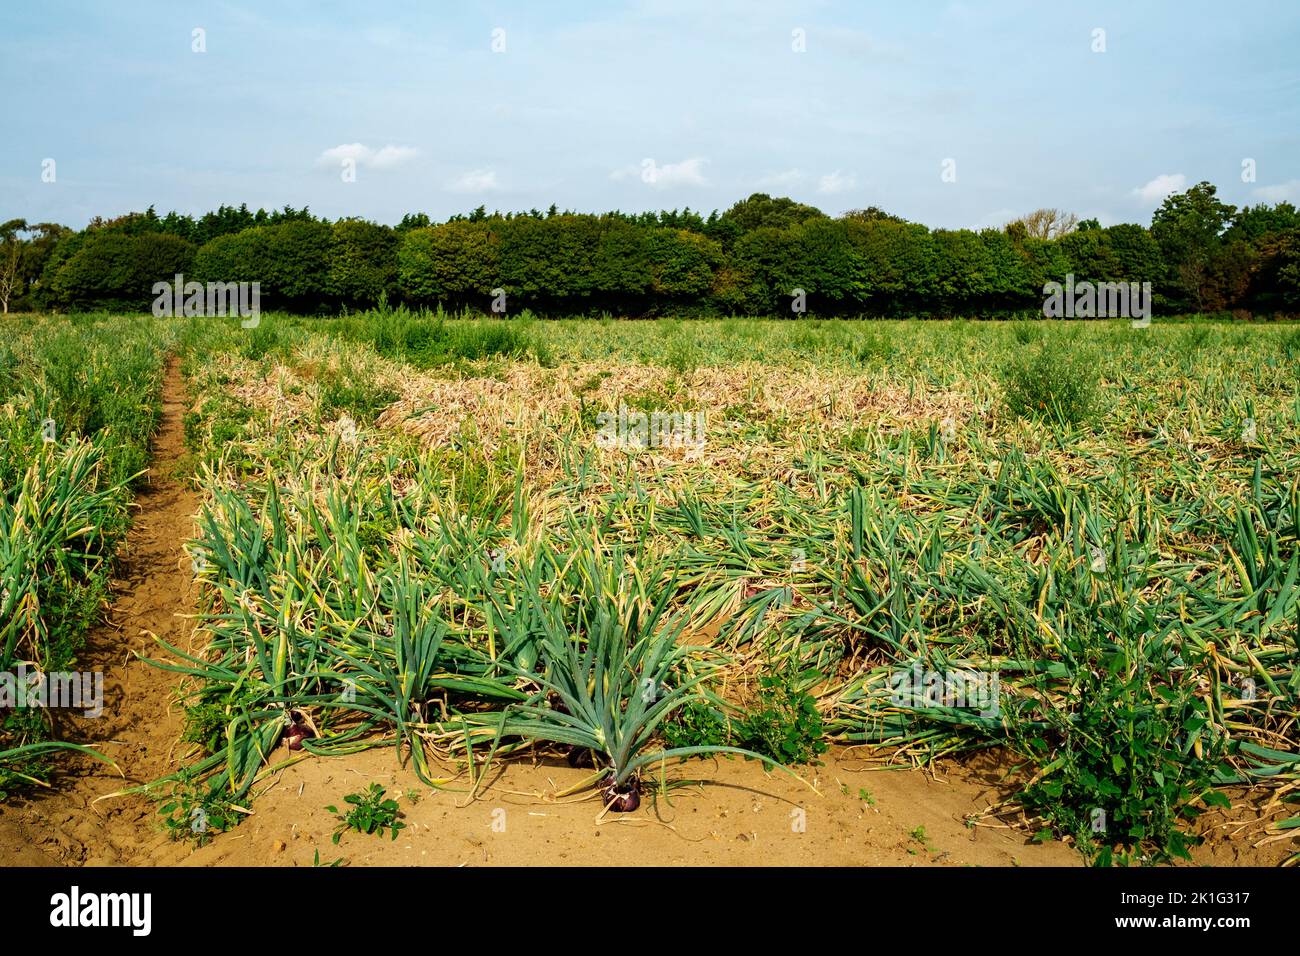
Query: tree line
x=1199 y=254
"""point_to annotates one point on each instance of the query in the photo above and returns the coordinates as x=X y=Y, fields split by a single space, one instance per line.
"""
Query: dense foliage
x=1200 y=255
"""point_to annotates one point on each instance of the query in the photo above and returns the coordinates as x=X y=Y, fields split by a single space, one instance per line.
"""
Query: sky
x=953 y=114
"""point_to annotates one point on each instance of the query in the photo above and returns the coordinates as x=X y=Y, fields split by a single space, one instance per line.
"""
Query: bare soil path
x=65 y=824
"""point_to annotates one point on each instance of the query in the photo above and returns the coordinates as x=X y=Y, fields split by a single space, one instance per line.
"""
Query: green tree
x=1136 y=254
x=1189 y=227
x=767 y=263
x=899 y=263
x=828 y=266
x=414 y=220
x=1090 y=256
x=761 y=211
x=549 y=261
x=43 y=238
x=455 y=262
x=1006 y=268
x=871 y=214
x=1253 y=223
x=117 y=269
x=290 y=261
x=1275 y=272
x=965 y=271
x=683 y=263
x=621 y=270
x=363 y=265
x=1227 y=278
x=1041 y=261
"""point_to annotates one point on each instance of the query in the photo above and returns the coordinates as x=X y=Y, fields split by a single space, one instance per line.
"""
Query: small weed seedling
x=370 y=813
x=788 y=728
x=921 y=837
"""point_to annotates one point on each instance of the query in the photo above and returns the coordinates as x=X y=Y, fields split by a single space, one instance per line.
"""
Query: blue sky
x=712 y=94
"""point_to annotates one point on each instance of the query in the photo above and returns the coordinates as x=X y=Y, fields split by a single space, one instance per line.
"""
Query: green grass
x=428 y=339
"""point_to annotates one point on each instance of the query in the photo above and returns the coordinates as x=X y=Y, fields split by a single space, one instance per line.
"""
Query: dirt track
x=65 y=825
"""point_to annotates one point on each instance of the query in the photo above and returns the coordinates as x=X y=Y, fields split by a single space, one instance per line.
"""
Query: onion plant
x=509 y=581
x=613 y=668
x=77 y=406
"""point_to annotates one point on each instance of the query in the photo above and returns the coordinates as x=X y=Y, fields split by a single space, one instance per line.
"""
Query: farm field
x=893 y=592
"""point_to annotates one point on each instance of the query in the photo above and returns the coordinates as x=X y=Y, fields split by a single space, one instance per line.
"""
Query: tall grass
x=427 y=339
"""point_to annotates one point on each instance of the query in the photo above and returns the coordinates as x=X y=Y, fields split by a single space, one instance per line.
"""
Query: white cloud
x=390 y=156
x=689 y=172
x=835 y=182
x=475 y=181
x=1160 y=187
x=336 y=154
x=385 y=157
x=1288 y=191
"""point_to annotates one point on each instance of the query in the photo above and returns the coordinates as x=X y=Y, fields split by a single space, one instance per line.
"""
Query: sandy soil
x=845 y=812
x=718 y=812
x=736 y=814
